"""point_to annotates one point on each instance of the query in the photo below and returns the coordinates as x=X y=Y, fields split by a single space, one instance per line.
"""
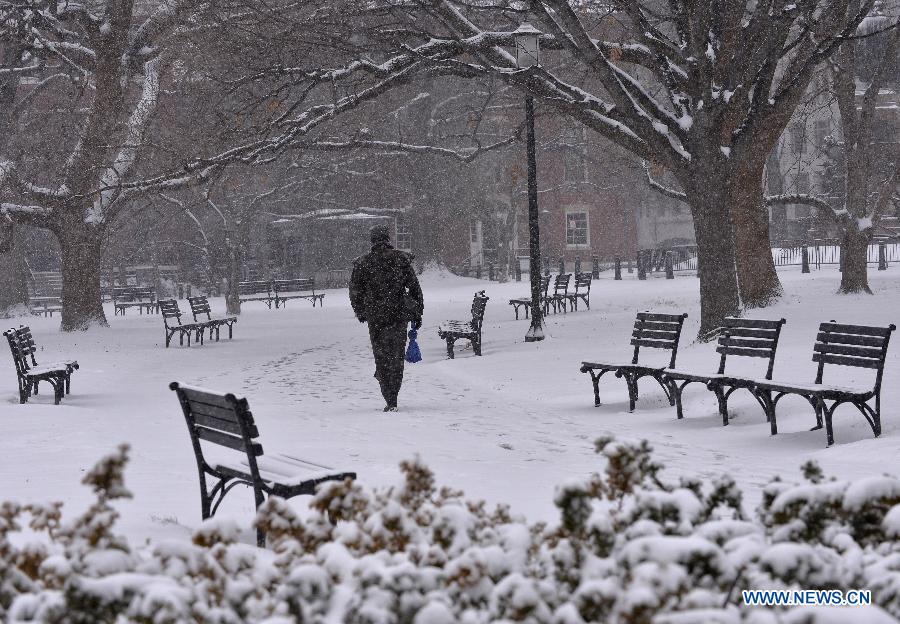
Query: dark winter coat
x=379 y=281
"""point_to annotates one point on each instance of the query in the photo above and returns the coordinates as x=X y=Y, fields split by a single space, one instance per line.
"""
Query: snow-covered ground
x=508 y=426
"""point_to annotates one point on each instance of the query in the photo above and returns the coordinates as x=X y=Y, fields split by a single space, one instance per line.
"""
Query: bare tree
x=869 y=167
x=701 y=89
x=71 y=182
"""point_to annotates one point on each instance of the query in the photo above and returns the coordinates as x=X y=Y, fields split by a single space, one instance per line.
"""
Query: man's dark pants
x=389 y=349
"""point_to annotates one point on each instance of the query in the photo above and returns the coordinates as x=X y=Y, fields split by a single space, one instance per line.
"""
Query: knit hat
x=380 y=234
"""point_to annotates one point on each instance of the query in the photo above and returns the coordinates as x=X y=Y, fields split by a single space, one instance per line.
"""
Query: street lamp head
x=527 y=39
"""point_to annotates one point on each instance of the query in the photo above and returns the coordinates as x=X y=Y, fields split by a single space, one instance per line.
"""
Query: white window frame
x=587 y=228
x=406 y=232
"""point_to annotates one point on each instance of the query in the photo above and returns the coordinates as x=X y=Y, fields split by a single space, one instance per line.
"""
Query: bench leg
x=819 y=406
x=631 y=382
x=476 y=344
x=876 y=415
x=596 y=382
x=57 y=391
x=769 y=403
x=260 y=499
x=722 y=400
x=676 y=391
x=229 y=330
x=666 y=388
x=829 y=430
x=450 y=342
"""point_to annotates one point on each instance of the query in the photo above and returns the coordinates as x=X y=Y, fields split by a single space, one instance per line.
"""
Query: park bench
x=656 y=331
x=560 y=293
x=582 y=291
x=299 y=288
x=45 y=306
x=740 y=337
x=29 y=373
x=842 y=345
x=226 y=421
x=200 y=306
x=256 y=291
x=140 y=297
x=451 y=331
x=526 y=302
x=170 y=310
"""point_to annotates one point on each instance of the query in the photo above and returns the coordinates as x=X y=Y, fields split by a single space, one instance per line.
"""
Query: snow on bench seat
x=280 y=469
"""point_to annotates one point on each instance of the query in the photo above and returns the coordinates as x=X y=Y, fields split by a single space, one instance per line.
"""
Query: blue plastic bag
x=413 y=354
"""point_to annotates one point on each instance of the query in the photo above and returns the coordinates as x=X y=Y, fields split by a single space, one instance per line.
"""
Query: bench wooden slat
x=866 y=341
x=201 y=396
x=216 y=411
x=839 y=349
x=752 y=333
x=210 y=422
x=223 y=439
x=747 y=343
x=657 y=325
x=860 y=330
x=760 y=353
x=661 y=335
x=732 y=321
x=294 y=284
x=655 y=344
x=669 y=318
x=846 y=360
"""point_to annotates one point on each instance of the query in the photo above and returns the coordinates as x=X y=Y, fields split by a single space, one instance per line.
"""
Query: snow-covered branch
x=661 y=188
x=187 y=211
x=27 y=214
x=463 y=155
x=806 y=200
x=111 y=179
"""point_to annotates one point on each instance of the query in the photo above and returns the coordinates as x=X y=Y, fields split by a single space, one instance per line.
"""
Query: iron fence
x=828 y=252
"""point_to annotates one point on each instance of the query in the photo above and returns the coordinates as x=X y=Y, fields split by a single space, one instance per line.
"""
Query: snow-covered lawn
x=508 y=426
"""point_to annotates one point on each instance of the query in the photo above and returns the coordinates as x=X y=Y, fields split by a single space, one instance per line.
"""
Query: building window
x=798 y=137
x=802 y=182
x=404 y=238
x=821 y=129
x=473 y=232
x=573 y=166
x=573 y=143
x=577 y=229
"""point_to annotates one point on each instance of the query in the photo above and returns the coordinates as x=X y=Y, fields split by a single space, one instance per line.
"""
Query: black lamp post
x=527 y=55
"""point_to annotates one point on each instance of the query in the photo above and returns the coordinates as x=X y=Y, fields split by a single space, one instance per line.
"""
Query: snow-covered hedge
x=628 y=548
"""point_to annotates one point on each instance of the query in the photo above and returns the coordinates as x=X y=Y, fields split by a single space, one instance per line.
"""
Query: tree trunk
x=233 y=291
x=13 y=278
x=855 y=274
x=80 y=249
x=757 y=279
x=716 y=260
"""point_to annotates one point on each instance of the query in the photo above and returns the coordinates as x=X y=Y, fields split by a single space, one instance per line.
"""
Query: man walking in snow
x=385 y=292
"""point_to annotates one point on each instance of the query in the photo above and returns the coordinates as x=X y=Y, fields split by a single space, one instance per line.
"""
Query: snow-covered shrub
x=629 y=548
